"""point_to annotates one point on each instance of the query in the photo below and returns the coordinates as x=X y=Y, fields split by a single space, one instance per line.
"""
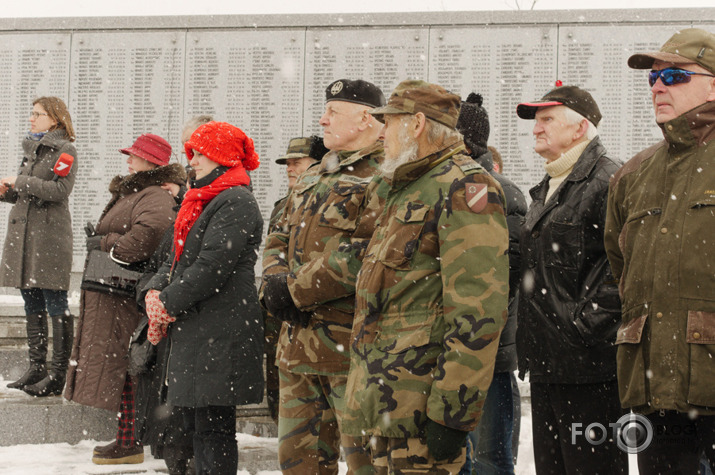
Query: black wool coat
x=216 y=342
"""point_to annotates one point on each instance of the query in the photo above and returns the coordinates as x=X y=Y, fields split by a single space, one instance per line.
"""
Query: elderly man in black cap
x=568 y=303
x=660 y=239
x=310 y=264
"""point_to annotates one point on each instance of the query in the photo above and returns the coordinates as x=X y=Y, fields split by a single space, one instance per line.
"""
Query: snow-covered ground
x=66 y=459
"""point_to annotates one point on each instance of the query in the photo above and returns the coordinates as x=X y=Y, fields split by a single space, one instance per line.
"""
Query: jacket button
x=656 y=400
x=670 y=126
x=659 y=314
x=696 y=335
x=663 y=230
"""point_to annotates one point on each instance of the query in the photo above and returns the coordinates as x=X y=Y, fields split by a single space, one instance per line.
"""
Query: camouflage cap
x=572 y=97
x=691 y=45
x=298 y=147
x=357 y=91
x=301 y=147
x=413 y=96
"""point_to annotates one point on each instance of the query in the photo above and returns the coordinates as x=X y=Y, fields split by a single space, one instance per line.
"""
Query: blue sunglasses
x=672 y=76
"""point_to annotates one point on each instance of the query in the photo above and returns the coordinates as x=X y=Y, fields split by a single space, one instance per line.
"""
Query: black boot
x=62 y=336
x=37 y=342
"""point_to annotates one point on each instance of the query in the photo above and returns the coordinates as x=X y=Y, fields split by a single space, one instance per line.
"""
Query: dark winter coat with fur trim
x=132 y=224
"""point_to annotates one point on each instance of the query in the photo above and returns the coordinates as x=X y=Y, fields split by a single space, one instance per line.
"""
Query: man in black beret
x=310 y=264
x=568 y=300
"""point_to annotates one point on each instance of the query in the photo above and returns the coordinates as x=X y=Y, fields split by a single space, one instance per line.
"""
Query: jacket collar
x=53 y=139
x=413 y=170
x=692 y=129
x=581 y=170
x=347 y=158
x=485 y=160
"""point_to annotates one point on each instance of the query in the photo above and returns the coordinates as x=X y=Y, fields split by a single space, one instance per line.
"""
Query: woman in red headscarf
x=204 y=297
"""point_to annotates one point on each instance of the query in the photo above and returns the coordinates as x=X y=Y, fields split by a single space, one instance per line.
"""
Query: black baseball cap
x=357 y=91
x=572 y=97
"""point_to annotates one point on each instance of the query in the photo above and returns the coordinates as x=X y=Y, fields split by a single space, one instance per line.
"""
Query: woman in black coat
x=204 y=298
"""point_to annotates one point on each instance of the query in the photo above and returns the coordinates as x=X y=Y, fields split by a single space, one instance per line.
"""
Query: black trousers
x=215 y=446
x=678 y=443
x=572 y=432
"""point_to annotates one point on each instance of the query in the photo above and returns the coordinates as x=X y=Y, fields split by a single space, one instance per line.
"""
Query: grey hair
x=196 y=121
x=572 y=118
x=438 y=131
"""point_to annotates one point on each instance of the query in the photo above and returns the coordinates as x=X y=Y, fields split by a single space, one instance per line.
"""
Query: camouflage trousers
x=391 y=456
x=309 y=438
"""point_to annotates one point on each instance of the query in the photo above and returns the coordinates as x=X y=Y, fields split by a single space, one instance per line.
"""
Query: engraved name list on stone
x=254 y=80
x=506 y=65
x=596 y=58
x=124 y=84
x=381 y=56
x=32 y=65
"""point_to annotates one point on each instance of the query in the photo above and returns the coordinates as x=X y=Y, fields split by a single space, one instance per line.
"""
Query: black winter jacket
x=217 y=339
x=569 y=309
x=515 y=211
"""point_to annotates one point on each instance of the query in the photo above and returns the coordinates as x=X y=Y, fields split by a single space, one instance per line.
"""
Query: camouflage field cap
x=691 y=45
x=413 y=96
x=298 y=147
x=572 y=97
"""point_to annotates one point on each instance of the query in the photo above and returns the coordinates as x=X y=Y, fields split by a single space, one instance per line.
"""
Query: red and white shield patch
x=476 y=194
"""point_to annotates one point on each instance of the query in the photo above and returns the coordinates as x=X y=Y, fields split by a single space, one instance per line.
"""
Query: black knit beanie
x=473 y=123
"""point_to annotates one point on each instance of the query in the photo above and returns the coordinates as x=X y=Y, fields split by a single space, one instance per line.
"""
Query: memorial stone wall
x=123 y=77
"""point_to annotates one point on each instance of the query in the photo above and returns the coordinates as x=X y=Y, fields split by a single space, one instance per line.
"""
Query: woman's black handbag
x=142 y=354
x=102 y=273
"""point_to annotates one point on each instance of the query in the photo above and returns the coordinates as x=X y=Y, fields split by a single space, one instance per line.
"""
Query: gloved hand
x=94 y=242
x=296 y=316
x=159 y=318
x=276 y=295
x=89 y=229
x=444 y=442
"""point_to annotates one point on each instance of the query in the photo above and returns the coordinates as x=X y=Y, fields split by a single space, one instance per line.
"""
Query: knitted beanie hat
x=473 y=123
x=224 y=144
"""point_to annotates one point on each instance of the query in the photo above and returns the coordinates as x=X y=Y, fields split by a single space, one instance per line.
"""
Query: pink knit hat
x=224 y=144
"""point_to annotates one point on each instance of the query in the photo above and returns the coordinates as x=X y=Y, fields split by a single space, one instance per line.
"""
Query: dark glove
x=276 y=295
x=89 y=229
x=444 y=442
x=94 y=242
x=297 y=316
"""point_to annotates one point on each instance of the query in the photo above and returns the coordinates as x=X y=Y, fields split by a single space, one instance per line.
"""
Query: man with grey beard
x=431 y=296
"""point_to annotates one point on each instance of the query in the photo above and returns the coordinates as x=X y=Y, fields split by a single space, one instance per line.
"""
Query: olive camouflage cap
x=301 y=147
x=572 y=97
x=691 y=45
x=413 y=96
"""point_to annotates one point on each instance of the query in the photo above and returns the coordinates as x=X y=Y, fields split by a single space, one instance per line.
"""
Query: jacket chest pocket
x=342 y=207
x=697 y=267
x=402 y=236
x=565 y=248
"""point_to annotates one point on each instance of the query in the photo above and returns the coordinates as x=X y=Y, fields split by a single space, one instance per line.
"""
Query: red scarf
x=197 y=198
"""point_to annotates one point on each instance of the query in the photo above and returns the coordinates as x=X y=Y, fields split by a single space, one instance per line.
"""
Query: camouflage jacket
x=431 y=300
x=321 y=238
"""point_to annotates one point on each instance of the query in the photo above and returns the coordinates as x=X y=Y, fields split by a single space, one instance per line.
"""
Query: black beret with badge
x=356 y=91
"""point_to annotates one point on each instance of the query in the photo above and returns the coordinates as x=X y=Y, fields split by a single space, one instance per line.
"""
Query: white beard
x=408 y=154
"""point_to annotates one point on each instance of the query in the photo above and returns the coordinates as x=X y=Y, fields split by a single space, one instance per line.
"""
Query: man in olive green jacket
x=431 y=296
x=660 y=240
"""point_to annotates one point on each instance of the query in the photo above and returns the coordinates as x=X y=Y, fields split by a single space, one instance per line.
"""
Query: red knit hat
x=224 y=144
